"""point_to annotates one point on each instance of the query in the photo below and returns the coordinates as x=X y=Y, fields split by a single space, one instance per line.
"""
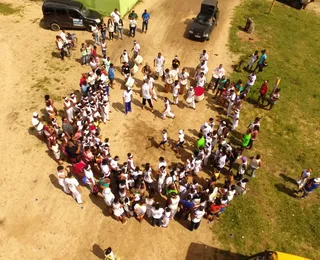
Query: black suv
x=205 y=21
x=67 y=14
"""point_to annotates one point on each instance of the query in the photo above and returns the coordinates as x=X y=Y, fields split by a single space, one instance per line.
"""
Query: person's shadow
x=287 y=178
x=283 y=188
x=97 y=251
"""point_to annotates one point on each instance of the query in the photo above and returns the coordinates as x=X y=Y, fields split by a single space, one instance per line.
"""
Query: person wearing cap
x=261 y=62
x=145 y=20
x=190 y=98
x=135 y=49
x=305 y=175
x=37 y=124
x=167 y=110
x=310 y=186
x=235 y=120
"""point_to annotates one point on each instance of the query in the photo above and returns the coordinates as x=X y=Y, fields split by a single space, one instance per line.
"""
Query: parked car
x=205 y=21
x=66 y=14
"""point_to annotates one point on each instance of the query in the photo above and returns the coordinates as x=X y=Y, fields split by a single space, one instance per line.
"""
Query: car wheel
x=55 y=27
x=208 y=38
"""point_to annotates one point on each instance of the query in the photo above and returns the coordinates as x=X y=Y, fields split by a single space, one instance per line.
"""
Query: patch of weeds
x=7 y=9
x=41 y=84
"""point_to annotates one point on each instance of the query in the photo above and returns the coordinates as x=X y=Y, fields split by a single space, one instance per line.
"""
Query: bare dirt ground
x=37 y=220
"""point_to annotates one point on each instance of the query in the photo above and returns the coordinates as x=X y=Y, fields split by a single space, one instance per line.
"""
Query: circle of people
x=130 y=190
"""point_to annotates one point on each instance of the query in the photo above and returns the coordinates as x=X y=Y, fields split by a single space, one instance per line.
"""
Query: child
x=166 y=217
x=164 y=139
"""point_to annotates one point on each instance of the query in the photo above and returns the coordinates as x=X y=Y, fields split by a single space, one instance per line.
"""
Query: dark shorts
x=180 y=144
x=144 y=102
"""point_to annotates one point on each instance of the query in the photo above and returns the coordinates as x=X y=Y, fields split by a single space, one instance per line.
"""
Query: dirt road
x=37 y=220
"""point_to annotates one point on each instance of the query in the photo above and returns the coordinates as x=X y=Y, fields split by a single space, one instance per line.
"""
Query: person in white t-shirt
x=196 y=217
x=201 y=80
x=116 y=16
x=305 y=175
x=217 y=74
x=158 y=64
x=124 y=57
x=166 y=217
x=118 y=211
x=89 y=176
x=173 y=204
x=164 y=139
x=191 y=98
x=73 y=186
x=180 y=141
x=255 y=164
x=202 y=67
x=167 y=110
x=183 y=80
x=61 y=179
x=157 y=213
x=132 y=25
x=140 y=210
x=37 y=124
x=108 y=254
x=204 y=56
x=146 y=94
x=251 y=80
x=150 y=81
x=175 y=92
x=127 y=100
x=235 y=120
x=136 y=49
x=162 y=174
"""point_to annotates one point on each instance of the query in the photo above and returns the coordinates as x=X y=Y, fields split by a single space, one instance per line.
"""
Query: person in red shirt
x=83 y=79
x=263 y=92
x=94 y=52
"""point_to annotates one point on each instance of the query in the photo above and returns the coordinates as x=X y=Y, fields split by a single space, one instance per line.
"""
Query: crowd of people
x=132 y=190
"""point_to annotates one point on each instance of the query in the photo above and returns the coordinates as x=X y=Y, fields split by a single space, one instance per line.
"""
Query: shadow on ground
x=204 y=252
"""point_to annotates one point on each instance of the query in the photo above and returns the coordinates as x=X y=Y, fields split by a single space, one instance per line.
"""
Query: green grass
x=267 y=216
x=7 y=9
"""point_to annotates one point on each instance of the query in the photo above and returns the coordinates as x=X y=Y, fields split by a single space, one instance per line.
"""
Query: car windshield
x=84 y=10
x=203 y=19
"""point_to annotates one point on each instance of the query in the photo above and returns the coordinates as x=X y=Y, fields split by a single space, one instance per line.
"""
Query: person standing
x=108 y=254
x=173 y=204
x=251 y=80
x=252 y=59
x=167 y=110
x=263 y=92
x=175 y=92
x=111 y=73
x=246 y=138
x=158 y=64
x=235 y=120
x=146 y=94
x=219 y=72
x=261 y=62
x=132 y=26
x=135 y=49
x=166 y=217
x=305 y=175
x=190 y=98
x=61 y=179
x=231 y=98
x=60 y=44
x=255 y=164
x=183 y=80
x=196 y=217
x=120 y=29
x=201 y=80
x=145 y=21
x=74 y=187
x=111 y=27
x=140 y=210
x=254 y=136
x=275 y=95
x=204 y=56
x=37 y=124
x=127 y=94
x=116 y=16
x=95 y=33
x=124 y=57
x=157 y=213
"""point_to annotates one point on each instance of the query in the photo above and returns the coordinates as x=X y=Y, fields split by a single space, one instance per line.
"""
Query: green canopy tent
x=105 y=7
